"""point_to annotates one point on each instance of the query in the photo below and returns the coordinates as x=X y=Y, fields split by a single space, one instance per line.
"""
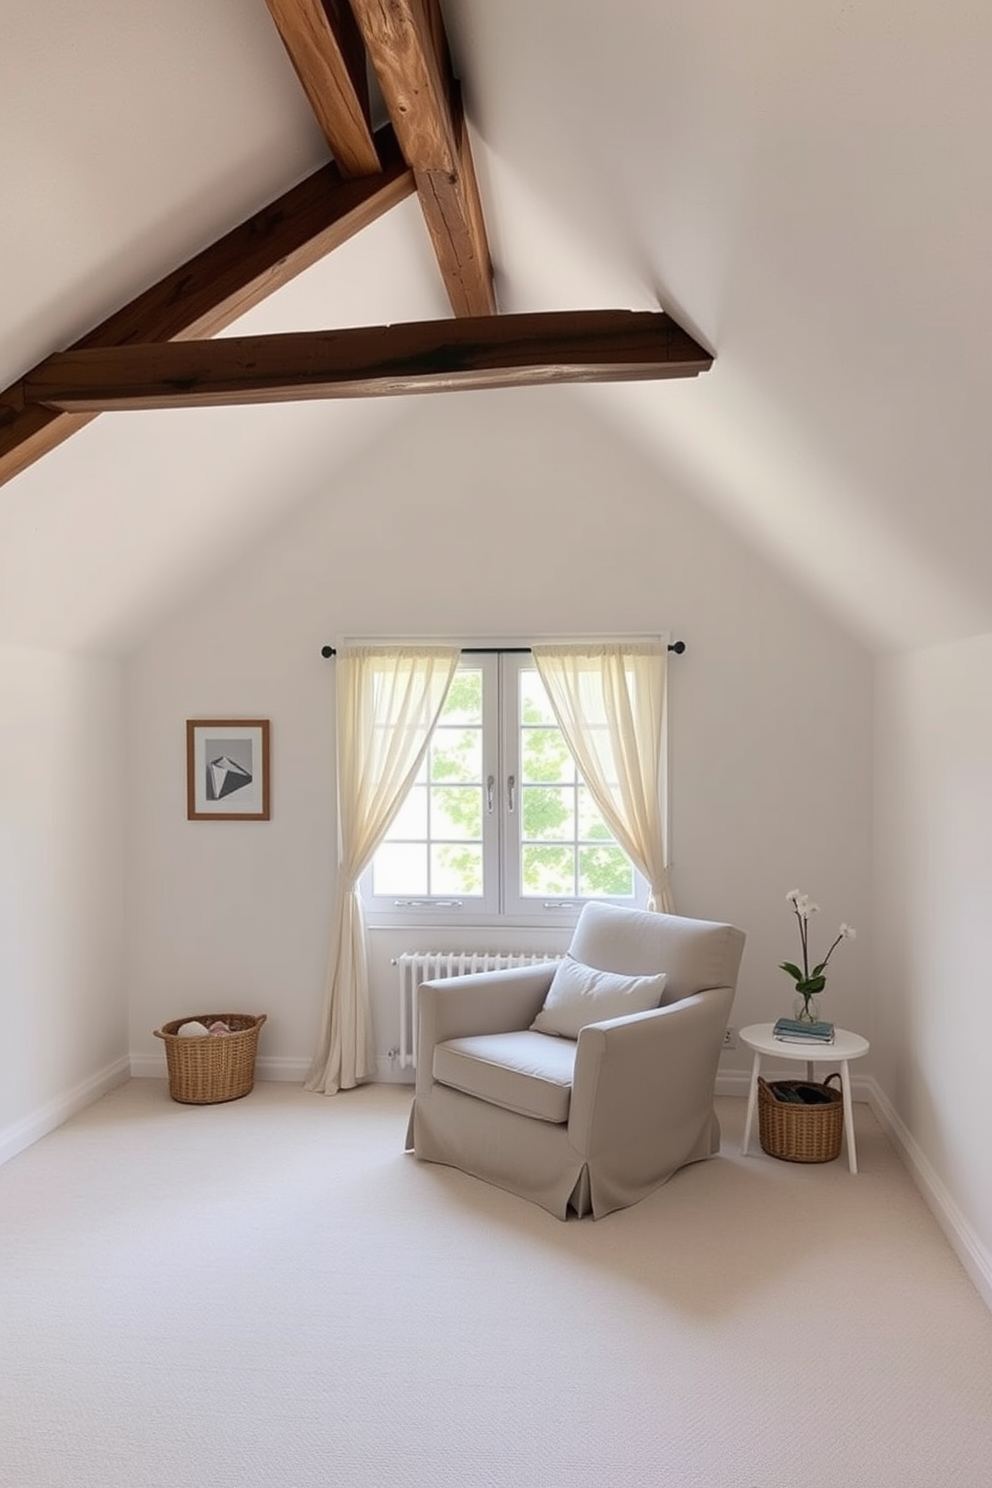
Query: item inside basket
x=800 y=1095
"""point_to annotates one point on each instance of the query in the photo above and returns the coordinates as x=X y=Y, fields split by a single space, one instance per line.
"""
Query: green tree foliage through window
x=556 y=808
x=437 y=845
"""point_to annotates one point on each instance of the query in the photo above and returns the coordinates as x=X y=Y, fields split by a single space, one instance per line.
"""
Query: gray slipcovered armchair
x=518 y=1085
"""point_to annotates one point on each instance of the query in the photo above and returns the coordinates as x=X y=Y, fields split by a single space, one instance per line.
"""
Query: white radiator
x=415 y=967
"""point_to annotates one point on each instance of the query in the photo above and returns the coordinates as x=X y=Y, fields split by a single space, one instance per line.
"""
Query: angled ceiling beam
x=216 y=286
x=414 y=357
x=326 y=49
x=407 y=47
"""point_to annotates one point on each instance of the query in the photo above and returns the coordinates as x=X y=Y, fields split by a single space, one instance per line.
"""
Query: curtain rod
x=327 y=651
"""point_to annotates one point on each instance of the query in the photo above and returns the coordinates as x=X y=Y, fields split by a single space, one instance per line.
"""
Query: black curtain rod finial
x=677 y=646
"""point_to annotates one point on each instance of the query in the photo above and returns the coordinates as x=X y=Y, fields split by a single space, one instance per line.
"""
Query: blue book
x=790 y=1031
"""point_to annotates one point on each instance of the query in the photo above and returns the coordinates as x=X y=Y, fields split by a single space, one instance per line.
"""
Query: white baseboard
x=962 y=1239
x=966 y=1245
x=271 y=1067
x=14 y=1139
x=738 y=1083
x=147 y=1066
x=388 y=1071
x=735 y=1082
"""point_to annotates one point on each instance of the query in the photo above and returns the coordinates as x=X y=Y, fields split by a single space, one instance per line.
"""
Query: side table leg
x=845 y=1085
x=752 y=1101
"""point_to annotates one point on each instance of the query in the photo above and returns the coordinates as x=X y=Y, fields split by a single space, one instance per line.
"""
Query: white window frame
x=502 y=904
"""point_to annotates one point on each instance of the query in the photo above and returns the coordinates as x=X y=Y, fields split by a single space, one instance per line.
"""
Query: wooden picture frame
x=227 y=769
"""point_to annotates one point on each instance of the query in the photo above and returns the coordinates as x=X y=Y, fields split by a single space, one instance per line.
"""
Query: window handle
x=511 y=786
x=560 y=904
x=490 y=793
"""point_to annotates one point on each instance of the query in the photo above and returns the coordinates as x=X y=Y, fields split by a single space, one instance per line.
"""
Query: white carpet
x=271 y=1293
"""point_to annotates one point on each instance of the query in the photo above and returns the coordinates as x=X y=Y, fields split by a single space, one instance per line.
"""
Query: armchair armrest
x=482 y=1002
x=643 y=1086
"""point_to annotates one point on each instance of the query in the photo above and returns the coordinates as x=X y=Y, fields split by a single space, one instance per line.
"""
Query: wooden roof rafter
x=328 y=54
x=411 y=357
x=406 y=44
x=427 y=150
x=408 y=49
x=218 y=285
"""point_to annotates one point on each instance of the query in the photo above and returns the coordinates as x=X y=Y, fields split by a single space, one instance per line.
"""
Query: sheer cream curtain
x=388 y=701
x=611 y=702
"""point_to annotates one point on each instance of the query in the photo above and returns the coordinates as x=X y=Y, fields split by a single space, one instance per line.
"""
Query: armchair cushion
x=581 y=994
x=523 y=1072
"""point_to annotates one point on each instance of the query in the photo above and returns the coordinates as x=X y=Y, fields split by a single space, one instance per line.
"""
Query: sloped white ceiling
x=804 y=187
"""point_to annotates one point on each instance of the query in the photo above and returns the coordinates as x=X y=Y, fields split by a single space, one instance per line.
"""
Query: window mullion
x=508 y=765
x=492 y=900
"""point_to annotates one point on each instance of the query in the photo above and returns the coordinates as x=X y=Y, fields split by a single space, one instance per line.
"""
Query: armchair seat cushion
x=529 y=1073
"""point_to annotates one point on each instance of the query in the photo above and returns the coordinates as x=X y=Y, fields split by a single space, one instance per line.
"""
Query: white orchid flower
x=810 y=980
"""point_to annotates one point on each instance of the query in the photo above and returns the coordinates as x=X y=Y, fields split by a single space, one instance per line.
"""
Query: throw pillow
x=580 y=994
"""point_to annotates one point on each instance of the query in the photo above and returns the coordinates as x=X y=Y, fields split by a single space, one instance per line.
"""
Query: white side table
x=759 y=1038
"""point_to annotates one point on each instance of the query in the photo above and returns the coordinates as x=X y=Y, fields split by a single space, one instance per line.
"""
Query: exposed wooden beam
x=326 y=49
x=407 y=48
x=224 y=281
x=414 y=357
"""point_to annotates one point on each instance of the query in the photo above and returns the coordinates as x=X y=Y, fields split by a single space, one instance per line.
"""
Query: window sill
x=443 y=920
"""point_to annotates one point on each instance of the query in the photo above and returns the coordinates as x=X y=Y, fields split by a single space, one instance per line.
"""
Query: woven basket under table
x=208 y=1068
x=801 y=1134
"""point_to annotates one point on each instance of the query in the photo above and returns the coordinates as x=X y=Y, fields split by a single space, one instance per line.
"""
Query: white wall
x=933 y=894
x=505 y=515
x=61 y=888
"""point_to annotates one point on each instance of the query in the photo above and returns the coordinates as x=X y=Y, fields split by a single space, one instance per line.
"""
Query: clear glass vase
x=806 y=1009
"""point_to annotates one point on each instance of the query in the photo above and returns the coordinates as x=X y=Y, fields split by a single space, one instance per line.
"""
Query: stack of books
x=791 y=1031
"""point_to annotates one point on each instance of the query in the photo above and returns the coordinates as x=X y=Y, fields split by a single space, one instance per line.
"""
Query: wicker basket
x=208 y=1068
x=802 y=1134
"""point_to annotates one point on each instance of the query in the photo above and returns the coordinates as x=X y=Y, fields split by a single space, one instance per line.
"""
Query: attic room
x=801 y=195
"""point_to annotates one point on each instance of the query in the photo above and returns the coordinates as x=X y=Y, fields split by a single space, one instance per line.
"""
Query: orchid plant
x=810 y=980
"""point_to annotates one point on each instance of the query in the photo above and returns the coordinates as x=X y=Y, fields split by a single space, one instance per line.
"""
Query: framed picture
x=227 y=769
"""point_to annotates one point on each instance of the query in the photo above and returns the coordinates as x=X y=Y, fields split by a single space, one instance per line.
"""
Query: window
x=498 y=822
